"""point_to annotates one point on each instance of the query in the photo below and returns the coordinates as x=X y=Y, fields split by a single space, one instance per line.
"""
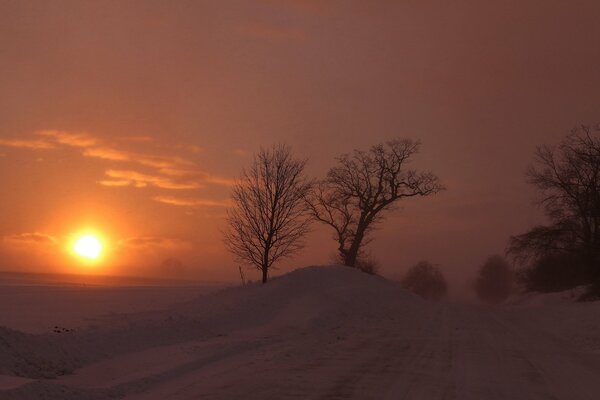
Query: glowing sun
x=88 y=247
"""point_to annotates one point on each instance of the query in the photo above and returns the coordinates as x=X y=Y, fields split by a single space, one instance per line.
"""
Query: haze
x=133 y=118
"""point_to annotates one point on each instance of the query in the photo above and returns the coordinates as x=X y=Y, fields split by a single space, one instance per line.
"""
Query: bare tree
x=567 y=178
x=354 y=194
x=268 y=219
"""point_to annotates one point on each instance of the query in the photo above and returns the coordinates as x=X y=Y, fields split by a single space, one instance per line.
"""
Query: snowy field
x=37 y=303
x=316 y=333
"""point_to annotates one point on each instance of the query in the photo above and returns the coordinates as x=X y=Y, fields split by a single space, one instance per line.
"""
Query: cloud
x=115 y=183
x=112 y=154
x=216 y=180
x=34 y=238
x=141 y=168
x=140 y=138
x=34 y=144
x=69 y=138
x=194 y=174
x=191 y=147
x=139 y=179
x=191 y=202
x=154 y=242
x=50 y=138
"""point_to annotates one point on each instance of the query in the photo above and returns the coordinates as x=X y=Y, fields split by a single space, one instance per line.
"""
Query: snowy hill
x=304 y=298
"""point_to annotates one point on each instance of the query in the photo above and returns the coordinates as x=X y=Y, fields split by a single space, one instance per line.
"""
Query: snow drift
x=308 y=298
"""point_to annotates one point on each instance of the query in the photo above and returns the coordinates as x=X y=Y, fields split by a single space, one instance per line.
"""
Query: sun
x=88 y=247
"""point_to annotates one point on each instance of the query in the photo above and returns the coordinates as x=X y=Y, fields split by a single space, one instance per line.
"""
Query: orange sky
x=131 y=118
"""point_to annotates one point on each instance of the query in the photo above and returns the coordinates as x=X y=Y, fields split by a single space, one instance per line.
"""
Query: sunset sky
x=130 y=119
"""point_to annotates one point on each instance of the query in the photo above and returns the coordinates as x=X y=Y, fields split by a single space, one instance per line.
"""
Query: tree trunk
x=350 y=258
x=264 y=274
x=351 y=255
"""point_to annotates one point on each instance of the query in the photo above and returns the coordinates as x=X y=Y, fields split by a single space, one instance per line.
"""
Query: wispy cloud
x=33 y=238
x=154 y=242
x=35 y=144
x=147 y=166
x=112 y=154
x=115 y=183
x=69 y=138
x=197 y=175
x=138 y=138
x=139 y=179
x=191 y=202
x=216 y=180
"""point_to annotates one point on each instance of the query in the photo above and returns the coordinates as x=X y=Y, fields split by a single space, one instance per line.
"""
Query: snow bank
x=562 y=315
x=539 y=299
x=308 y=298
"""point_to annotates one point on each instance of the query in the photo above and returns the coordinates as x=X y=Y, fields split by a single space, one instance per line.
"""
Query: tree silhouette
x=567 y=178
x=425 y=280
x=494 y=280
x=353 y=196
x=268 y=219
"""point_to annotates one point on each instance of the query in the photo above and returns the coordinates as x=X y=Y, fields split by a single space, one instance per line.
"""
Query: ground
x=321 y=333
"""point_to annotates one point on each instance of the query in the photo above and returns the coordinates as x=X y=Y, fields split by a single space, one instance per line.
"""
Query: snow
x=317 y=333
x=553 y=298
x=39 y=309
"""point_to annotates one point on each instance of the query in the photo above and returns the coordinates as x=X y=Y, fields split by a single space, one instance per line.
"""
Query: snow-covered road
x=459 y=353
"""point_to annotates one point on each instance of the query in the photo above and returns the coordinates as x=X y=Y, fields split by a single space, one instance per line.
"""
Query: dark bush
x=368 y=265
x=555 y=272
x=425 y=280
x=494 y=281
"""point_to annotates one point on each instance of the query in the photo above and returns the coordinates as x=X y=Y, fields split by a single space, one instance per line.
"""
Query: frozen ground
x=317 y=333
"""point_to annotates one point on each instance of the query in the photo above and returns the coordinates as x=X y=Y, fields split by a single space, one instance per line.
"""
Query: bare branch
x=567 y=178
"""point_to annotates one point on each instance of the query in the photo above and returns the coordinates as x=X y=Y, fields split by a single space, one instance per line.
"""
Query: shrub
x=425 y=280
x=494 y=281
x=368 y=265
x=555 y=273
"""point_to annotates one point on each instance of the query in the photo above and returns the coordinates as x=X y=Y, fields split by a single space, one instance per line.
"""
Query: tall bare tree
x=353 y=196
x=268 y=219
x=567 y=178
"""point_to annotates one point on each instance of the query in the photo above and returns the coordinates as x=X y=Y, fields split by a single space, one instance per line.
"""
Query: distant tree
x=268 y=218
x=364 y=184
x=172 y=267
x=425 y=280
x=494 y=280
x=567 y=178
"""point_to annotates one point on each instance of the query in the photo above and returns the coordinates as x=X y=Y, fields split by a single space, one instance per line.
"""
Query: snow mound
x=310 y=299
x=554 y=298
x=304 y=298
